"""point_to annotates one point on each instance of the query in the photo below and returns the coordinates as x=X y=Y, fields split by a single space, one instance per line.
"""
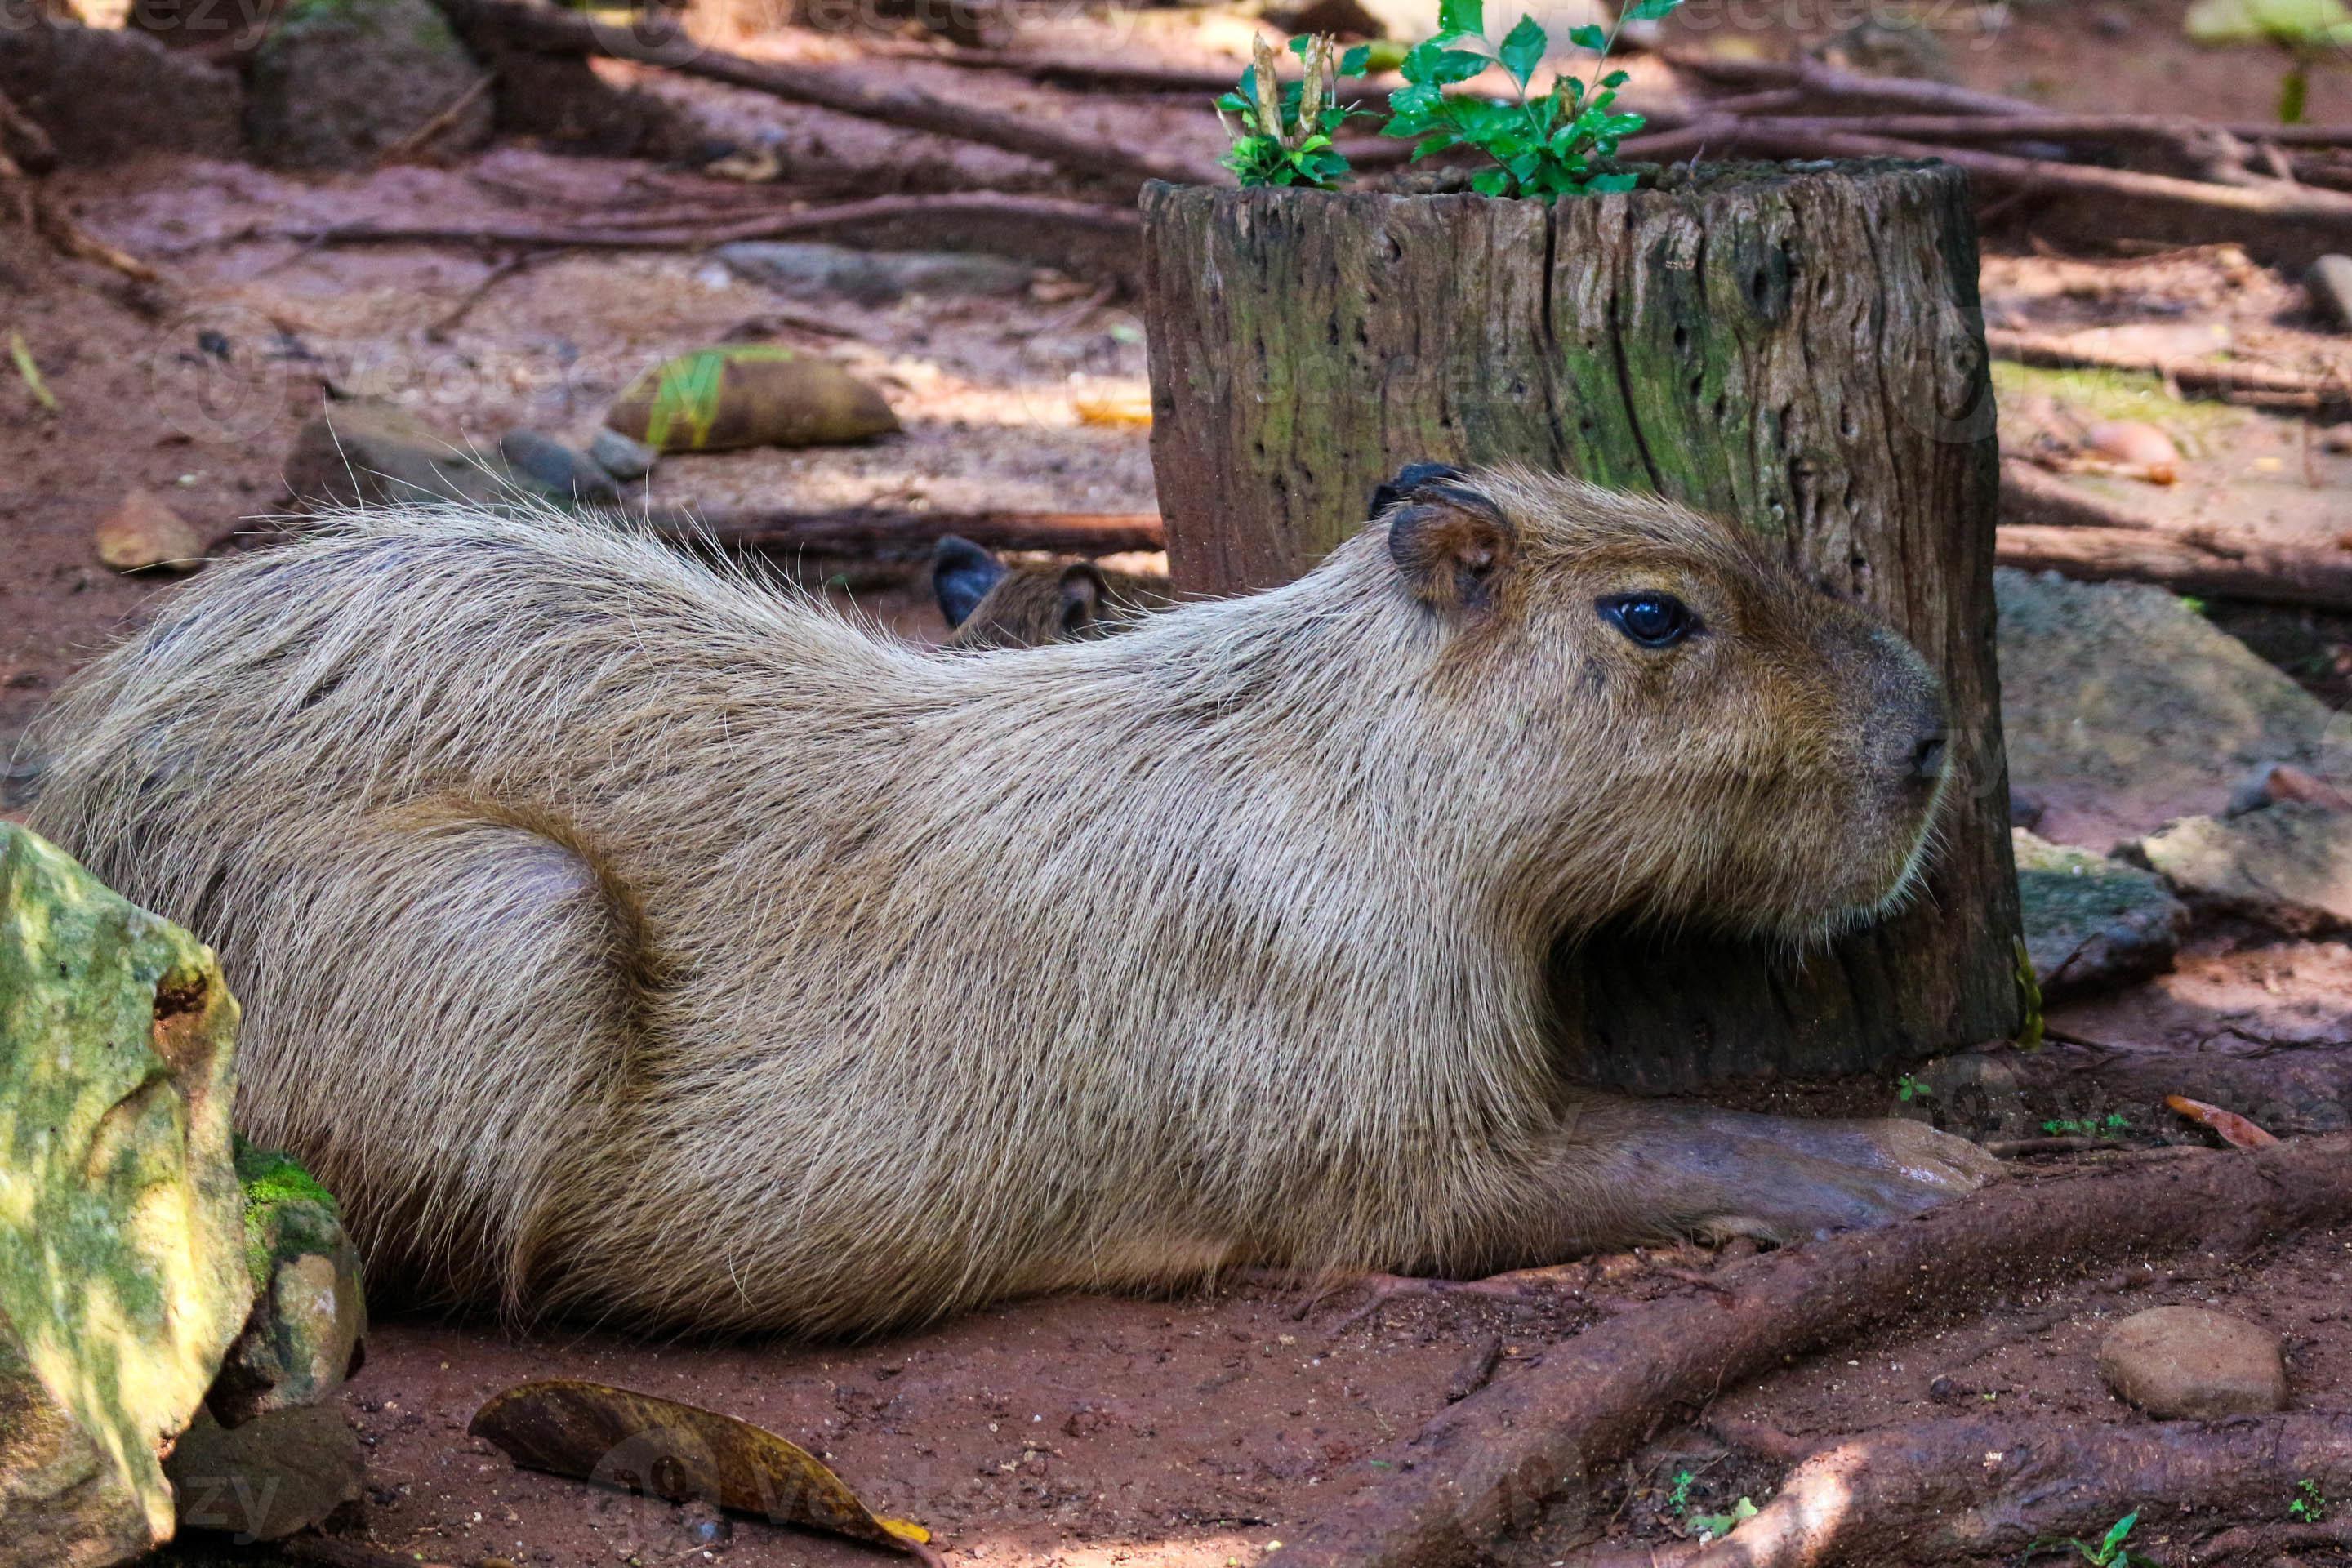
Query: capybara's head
x=1732 y=746
x=987 y=603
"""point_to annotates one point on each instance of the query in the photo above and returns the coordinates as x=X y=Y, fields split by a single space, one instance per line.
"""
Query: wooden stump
x=1797 y=347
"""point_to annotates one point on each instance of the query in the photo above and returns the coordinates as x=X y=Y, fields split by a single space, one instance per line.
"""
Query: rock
x=309 y=1314
x=2124 y=709
x=142 y=533
x=2336 y=438
x=122 y=1273
x=370 y=454
x=620 y=456
x=872 y=277
x=2025 y=809
x=2132 y=441
x=2273 y=782
x=749 y=394
x=2091 y=921
x=2331 y=290
x=105 y=94
x=555 y=469
x=2288 y=866
x=269 y=1478
x=2186 y=1362
x=336 y=84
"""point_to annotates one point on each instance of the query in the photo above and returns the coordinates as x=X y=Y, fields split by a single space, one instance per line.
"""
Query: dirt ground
x=1056 y=1433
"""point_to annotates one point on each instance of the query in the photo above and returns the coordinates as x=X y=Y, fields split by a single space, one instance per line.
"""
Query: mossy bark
x=1799 y=348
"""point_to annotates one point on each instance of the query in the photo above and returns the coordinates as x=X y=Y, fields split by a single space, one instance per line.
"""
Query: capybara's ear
x=1408 y=479
x=962 y=576
x=1082 y=596
x=1453 y=546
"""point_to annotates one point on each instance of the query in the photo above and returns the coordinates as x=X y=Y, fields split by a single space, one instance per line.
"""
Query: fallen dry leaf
x=642 y=1443
x=2235 y=1129
x=143 y=533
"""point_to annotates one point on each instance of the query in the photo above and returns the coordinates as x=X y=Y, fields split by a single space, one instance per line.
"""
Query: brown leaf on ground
x=2235 y=1130
x=638 y=1442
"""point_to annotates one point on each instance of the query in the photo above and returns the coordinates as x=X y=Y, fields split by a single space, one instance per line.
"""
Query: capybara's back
x=618 y=935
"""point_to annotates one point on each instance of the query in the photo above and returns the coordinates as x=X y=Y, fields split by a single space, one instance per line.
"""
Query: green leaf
x=1233 y=103
x=1615 y=80
x=2122 y=1528
x=1491 y=182
x=1461 y=18
x=1650 y=10
x=1356 y=61
x=1301 y=44
x=1613 y=184
x=1589 y=36
x=1417 y=101
x=1523 y=50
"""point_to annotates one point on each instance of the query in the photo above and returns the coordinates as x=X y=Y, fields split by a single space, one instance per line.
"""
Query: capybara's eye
x=1653 y=620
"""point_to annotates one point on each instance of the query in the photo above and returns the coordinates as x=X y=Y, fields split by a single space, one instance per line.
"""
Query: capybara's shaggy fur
x=620 y=937
x=988 y=603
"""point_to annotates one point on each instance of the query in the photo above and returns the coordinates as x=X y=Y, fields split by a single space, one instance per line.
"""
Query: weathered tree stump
x=1797 y=347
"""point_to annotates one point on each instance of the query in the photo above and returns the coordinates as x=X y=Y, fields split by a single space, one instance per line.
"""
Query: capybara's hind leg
x=454 y=995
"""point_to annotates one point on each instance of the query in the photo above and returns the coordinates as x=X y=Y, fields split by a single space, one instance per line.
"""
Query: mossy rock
x=2092 y=920
x=309 y=1311
x=122 y=1264
x=753 y=395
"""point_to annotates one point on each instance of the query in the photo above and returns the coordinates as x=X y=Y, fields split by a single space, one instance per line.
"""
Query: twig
x=1490 y=1463
x=416 y=141
x=545 y=30
x=439 y=329
x=865 y=530
x=22 y=353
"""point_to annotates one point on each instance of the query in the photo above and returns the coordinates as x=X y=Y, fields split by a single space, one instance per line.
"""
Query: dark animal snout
x=1927 y=759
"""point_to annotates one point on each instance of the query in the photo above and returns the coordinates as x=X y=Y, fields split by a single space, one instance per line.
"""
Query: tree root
x=874 y=531
x=2255 y=386
x=1519 y=1457
x=1971 y=1489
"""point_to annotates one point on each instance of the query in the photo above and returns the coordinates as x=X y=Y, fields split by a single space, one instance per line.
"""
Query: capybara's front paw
x=1799 y=1179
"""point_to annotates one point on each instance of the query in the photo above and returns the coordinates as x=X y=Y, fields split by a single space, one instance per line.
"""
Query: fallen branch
x=542 y=29
x=1501 y=1459
x=2278 y=222
x=868 y=531
x=1970 y=1490
x=441 y=326
x=2236 y=565
x=2256 y=385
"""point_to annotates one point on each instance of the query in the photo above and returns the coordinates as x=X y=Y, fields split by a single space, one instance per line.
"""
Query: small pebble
x=2190 y=1363
x=141 y=533
x=2132 y=441
x=620 y=456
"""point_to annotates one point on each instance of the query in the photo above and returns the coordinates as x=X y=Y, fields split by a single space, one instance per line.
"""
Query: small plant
x=1286 y=127
x=2109 y=1552
x=2114 y=1124
x=1705 y=1526
x=1678 y=1497
x=1908 y=1089
x=1554 y=143
x=2310 y=1505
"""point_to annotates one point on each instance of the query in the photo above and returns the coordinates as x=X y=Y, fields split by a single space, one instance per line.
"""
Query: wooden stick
x=441 y=326
x=1527 y=1448
x=951 y=213
x=2256 y=385
x=2230 y=566
x=546 y=30
x=416 y=141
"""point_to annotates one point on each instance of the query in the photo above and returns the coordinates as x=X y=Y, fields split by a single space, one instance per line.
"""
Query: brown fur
x=618 y=936
x=1033 y=606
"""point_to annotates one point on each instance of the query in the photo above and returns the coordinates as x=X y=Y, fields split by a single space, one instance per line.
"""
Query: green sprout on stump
x=1554 y=143
x=1288 y=126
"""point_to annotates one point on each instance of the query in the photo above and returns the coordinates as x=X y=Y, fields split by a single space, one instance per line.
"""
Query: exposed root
x=1519 y=1456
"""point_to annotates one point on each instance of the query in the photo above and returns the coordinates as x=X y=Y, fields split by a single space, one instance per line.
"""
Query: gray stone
x=620 y=456
x=2331 y=290
x=264 y=1480
x=122 y=1273
x=2124 y=709
x=337 y=83
x=369 y=453
x=556 y=471
x=2186 y=1362
x=309 y=1314
x=104 y=94
x=872 y=277
x=2287 y=865
x=2091 y=921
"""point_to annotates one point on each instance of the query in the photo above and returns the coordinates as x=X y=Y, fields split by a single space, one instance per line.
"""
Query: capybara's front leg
x=1623 y=1172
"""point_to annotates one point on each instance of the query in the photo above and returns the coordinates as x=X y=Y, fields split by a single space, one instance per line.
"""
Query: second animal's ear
x=1408 y=479
x=962 y=576
x=1082 y=596
x=1454 y=546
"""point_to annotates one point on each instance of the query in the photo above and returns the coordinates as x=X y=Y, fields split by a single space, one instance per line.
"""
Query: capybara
x=620 y=937
x=987 y=603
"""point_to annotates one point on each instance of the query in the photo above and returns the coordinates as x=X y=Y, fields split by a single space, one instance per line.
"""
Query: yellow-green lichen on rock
x=122 y=1258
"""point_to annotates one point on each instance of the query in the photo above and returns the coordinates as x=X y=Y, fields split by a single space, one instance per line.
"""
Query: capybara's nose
x=1927 y=759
